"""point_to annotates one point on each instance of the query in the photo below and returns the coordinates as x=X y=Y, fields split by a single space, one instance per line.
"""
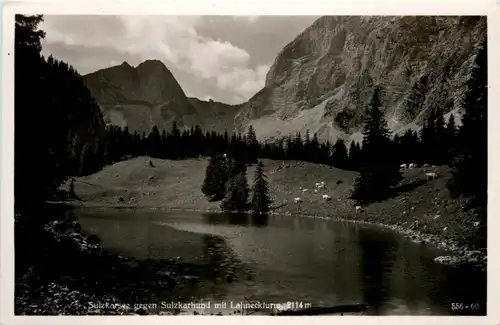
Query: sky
x=224 y=58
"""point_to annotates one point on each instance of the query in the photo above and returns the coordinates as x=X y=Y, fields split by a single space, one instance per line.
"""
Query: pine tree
x=175 y=141
x=427 y=140
x=339 y=154
x=298 y=147
x=236 y=198
x=261 y=202
x=252 y=146
x=230 y=200
x=469 y=173
x=239 y=164
x=164 y=145
x=397 y=148
x=154 y=142
x=215 y=178
x=410 y=146
x=313 y=152
x=126 y=144
x=440 y=150
x=306 y=147
x=379 y=172
x=450 y=137
x=289 y=148
x=354 y=156
x=243 y=190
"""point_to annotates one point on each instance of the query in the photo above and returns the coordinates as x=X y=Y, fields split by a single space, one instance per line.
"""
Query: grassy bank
x=421 y=209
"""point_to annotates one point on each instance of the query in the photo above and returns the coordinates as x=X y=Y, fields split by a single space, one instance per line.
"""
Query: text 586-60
x=462 y=306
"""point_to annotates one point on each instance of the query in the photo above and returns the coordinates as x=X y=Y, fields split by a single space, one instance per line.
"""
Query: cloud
x=171 y=39
x=249 y=81
x=249 y=18
x=212 y=58
x=206 y=98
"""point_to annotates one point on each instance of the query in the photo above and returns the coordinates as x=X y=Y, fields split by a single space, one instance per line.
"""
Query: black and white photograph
x=237 y=165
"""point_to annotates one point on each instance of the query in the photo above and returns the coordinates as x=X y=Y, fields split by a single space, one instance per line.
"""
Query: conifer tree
x=469 y=173
x=236 y=198
x=252 y=146
x=306 y=146
x=410 y=146
x=440 y=151
x=164 y=144
x=126 y=141
x=230 y=200
x=427 y=140
x=339 y=154
x=314 y=152
x=261 y=202
x=289 y=148
x=175 y=141
x=215 y=178
x=154 y=142
x=450 y=137
x=354 y=156
x=241 y=183
x=298 y=147
x=379 y=172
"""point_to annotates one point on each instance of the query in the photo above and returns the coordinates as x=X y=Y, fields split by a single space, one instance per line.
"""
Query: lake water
x=282 y=258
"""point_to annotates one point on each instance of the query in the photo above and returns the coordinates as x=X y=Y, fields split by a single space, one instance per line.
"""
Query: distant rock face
x=215 y=115
x=145 y=96
x=323 y=80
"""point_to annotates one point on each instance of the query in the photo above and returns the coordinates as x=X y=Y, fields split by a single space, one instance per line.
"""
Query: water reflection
x=276 y=258
x=260 y=220
x=238 y=219
x=377 y=257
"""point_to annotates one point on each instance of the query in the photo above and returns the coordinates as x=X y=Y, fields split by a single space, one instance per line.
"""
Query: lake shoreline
x=460 y=254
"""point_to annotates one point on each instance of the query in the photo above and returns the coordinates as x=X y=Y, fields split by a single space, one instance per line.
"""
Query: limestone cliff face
x=322 y=80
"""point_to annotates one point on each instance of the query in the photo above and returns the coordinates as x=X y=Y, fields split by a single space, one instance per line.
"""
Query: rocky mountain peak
x=150 y=81
x=323 y=79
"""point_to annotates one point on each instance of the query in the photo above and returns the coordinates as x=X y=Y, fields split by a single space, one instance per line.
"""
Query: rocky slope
x=323 y=79
x=145 y=96
x=215 y=115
